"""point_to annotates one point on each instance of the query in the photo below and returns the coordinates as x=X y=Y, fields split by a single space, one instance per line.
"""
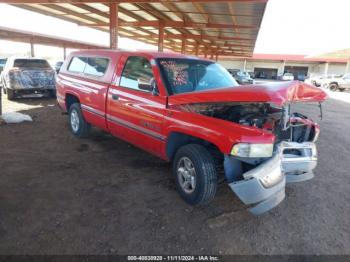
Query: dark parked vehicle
x=28 y=76
x=57 y=66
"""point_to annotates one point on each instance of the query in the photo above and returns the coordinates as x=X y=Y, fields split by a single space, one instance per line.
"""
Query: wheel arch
x=177 y=139
x=70 y=99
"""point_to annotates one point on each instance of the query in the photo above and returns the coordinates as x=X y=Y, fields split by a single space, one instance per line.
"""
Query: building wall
x=314 y=68
x=336 y=69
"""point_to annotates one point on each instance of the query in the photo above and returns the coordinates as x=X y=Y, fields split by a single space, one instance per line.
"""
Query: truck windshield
x=191 y=75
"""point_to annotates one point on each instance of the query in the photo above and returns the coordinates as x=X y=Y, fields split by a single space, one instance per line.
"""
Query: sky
x=308 y=27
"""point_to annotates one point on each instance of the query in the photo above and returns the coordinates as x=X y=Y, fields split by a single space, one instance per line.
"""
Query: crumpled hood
x=279 y=93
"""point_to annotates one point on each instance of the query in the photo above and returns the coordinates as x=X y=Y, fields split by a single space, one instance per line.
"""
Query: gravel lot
x=62 y=195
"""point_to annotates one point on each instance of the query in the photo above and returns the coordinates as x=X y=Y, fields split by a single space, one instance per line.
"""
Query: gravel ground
x=62 y=195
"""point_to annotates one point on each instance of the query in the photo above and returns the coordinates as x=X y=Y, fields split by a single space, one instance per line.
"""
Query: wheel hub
x=74 y=121
x=186 y=175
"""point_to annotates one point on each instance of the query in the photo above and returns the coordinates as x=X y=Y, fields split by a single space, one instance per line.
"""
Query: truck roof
x=154 y=54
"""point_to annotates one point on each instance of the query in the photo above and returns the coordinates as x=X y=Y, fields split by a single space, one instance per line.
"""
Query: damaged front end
x=259 y=179
x=258 y=169
x=258 y=173
x=264 y=185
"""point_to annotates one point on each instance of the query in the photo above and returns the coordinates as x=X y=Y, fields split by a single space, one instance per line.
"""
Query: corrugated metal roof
x=218 y=28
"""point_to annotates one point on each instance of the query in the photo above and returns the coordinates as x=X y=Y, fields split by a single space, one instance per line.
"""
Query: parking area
x=62 y=195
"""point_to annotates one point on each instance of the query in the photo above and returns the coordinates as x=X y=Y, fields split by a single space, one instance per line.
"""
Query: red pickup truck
x=192 y=112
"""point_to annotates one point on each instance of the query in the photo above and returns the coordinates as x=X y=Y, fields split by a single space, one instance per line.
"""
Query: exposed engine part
x=293 y=127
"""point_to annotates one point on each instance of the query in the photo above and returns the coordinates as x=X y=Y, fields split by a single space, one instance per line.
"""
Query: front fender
x=223 y=134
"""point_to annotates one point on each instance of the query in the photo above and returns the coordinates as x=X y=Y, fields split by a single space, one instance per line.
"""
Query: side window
x=137 y=74
x=96 y=66
x=77 y=64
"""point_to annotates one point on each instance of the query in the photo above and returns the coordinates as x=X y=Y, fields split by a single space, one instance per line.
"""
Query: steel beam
x=113 y=26
x=200 y=37
x=178 y=24
x=126 y=1
x=183 y=46
x=64 y=52
x=161 y=39
x=32 y=53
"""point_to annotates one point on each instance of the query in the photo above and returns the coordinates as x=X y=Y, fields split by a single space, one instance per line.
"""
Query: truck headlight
x=252 y=150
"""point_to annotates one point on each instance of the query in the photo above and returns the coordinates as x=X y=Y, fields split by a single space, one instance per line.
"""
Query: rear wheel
x=195 y=174
x=10 y=94
x=79 y=127
x=333 y=87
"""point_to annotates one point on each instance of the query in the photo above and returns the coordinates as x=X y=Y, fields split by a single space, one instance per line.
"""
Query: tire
x=78 y=126
x=10 y=94
x=203 y=189
x=333 y=87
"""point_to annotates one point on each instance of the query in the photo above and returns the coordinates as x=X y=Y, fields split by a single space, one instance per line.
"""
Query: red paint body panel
x=278 y=93
x=147 y=121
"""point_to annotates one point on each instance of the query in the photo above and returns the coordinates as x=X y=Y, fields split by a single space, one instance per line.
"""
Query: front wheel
x=78 y=125
x=195 y=174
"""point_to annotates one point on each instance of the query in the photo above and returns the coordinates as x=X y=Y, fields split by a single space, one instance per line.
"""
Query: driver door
x=134 y=113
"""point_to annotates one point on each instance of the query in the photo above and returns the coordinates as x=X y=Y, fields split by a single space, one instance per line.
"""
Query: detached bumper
x=264 y=186
x=299 y=159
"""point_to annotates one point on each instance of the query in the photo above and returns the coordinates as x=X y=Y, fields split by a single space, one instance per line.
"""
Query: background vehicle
x=242 y=77
x=301 y=77
x=335 y=83
x=2 y=63
x=27 y=76
x=57 y=66
x=287 y=77
x=233 y=72
x=252 y=75
x=193 y=113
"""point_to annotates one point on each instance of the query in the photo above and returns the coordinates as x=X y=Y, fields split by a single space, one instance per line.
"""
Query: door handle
x=115 y=97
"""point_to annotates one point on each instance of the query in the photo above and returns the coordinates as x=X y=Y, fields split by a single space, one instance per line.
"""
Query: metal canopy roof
x=11 y=34
x=200 y=27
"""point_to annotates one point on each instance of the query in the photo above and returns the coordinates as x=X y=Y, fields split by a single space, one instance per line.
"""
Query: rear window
x=77 y=65
x=95 y=66
x=31 y=63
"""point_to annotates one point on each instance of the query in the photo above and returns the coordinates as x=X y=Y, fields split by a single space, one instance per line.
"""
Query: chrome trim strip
x=92 y=110
x=136 y=127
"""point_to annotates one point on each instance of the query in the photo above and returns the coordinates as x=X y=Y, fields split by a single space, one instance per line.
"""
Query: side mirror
x=145 y=87
x=154 y=87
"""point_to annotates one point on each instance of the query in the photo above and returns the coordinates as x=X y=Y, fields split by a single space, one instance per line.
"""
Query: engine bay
x=280 y=121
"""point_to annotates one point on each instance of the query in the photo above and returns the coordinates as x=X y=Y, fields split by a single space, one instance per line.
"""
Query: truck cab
x=191 y=112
